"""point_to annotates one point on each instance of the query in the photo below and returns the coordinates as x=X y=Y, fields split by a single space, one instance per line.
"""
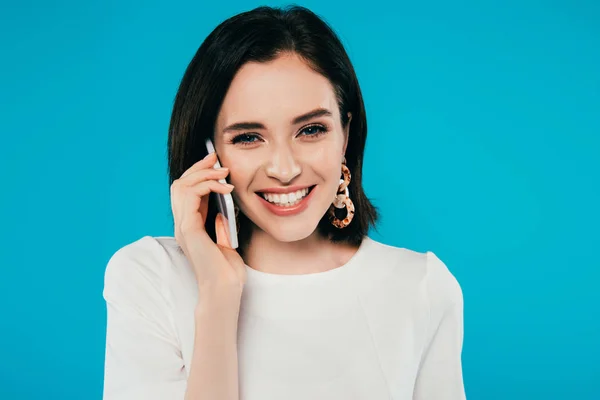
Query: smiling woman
x=308 y=306
x=285 y=143
x=275 y=106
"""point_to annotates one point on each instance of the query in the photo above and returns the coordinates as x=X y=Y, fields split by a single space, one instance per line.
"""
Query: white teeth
x=286 y=199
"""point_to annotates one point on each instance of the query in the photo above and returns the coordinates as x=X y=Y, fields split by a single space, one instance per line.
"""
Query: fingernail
x=225 y=225
x=229 y=185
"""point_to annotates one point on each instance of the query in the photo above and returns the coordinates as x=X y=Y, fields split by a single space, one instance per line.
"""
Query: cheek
x=330 y=171
x=326 y=150
x=238 y=177
x=241 y=171
x=326 y=160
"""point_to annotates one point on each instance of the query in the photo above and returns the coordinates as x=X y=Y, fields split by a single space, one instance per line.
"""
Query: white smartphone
x=225 y=202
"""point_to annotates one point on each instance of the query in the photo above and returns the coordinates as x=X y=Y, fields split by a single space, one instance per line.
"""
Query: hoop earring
x=342 y=200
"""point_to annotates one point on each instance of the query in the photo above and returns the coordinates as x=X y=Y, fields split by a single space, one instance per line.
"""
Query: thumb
x=232 y=256
x=222 y=231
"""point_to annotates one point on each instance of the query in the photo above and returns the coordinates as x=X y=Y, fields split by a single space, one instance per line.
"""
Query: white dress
x=386 y=325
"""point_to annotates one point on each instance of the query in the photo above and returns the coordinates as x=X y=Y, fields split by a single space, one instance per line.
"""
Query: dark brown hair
x=261 y=35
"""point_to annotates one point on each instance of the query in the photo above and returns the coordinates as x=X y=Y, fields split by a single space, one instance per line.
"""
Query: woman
x=308 y=307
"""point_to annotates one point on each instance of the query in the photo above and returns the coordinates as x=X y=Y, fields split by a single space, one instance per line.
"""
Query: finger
x=206 y=162
x=190 y=200
x=203 y=188
x=222 y=231
x=182 y=193
x=224 y=243
x=186 y=200
x=197 y=176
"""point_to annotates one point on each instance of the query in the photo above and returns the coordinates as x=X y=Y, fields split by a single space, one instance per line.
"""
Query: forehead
x=275 y=92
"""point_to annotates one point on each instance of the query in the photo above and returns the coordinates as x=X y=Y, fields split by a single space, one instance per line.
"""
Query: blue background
x=483 y=147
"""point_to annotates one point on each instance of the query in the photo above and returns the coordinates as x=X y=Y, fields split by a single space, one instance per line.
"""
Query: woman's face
x=279 y=132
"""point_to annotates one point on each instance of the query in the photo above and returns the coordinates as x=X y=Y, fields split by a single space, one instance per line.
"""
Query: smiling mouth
x=286 y=199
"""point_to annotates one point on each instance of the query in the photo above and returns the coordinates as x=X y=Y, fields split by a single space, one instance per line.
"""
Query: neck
x=310 y=255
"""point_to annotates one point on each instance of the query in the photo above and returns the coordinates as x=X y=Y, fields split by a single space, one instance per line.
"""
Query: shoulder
x=443 y=289
x=143 y=264
x=421 y=270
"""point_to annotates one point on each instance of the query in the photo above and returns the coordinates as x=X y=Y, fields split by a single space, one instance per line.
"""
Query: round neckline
x=300 y=297
x=267 y=278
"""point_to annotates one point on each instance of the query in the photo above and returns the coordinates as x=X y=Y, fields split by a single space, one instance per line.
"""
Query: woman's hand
x=220 y=271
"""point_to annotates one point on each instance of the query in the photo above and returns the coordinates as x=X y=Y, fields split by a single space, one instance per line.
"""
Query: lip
x=286 y=211
x=288 y=189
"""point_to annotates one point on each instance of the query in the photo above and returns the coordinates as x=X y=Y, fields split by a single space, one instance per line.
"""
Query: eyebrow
x=319 y=112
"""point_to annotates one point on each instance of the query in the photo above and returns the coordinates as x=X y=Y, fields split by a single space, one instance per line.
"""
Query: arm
x=214 y=370
x=143 y=359
x=440 y=372
x=143 y=356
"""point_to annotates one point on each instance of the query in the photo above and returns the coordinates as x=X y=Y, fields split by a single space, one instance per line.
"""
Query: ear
x=347 y=132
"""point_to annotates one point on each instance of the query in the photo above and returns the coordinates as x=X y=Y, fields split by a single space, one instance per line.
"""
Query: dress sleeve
x=440 y=372
x=143 y=359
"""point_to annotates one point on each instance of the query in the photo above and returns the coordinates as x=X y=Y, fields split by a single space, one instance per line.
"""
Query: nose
x=282 y=164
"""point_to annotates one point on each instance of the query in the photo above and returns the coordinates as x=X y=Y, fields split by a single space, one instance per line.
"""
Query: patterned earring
x=342 y=200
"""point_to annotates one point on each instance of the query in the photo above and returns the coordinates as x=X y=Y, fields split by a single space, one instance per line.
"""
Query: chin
x=290 y=233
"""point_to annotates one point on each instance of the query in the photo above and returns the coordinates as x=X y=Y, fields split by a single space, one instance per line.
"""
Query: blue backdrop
x=483 y=147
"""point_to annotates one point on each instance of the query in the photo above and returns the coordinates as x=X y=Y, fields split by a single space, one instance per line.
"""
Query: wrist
x=214 y=302
x=219 y=319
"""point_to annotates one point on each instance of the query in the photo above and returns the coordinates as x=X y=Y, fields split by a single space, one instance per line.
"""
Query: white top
x=388 y=324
